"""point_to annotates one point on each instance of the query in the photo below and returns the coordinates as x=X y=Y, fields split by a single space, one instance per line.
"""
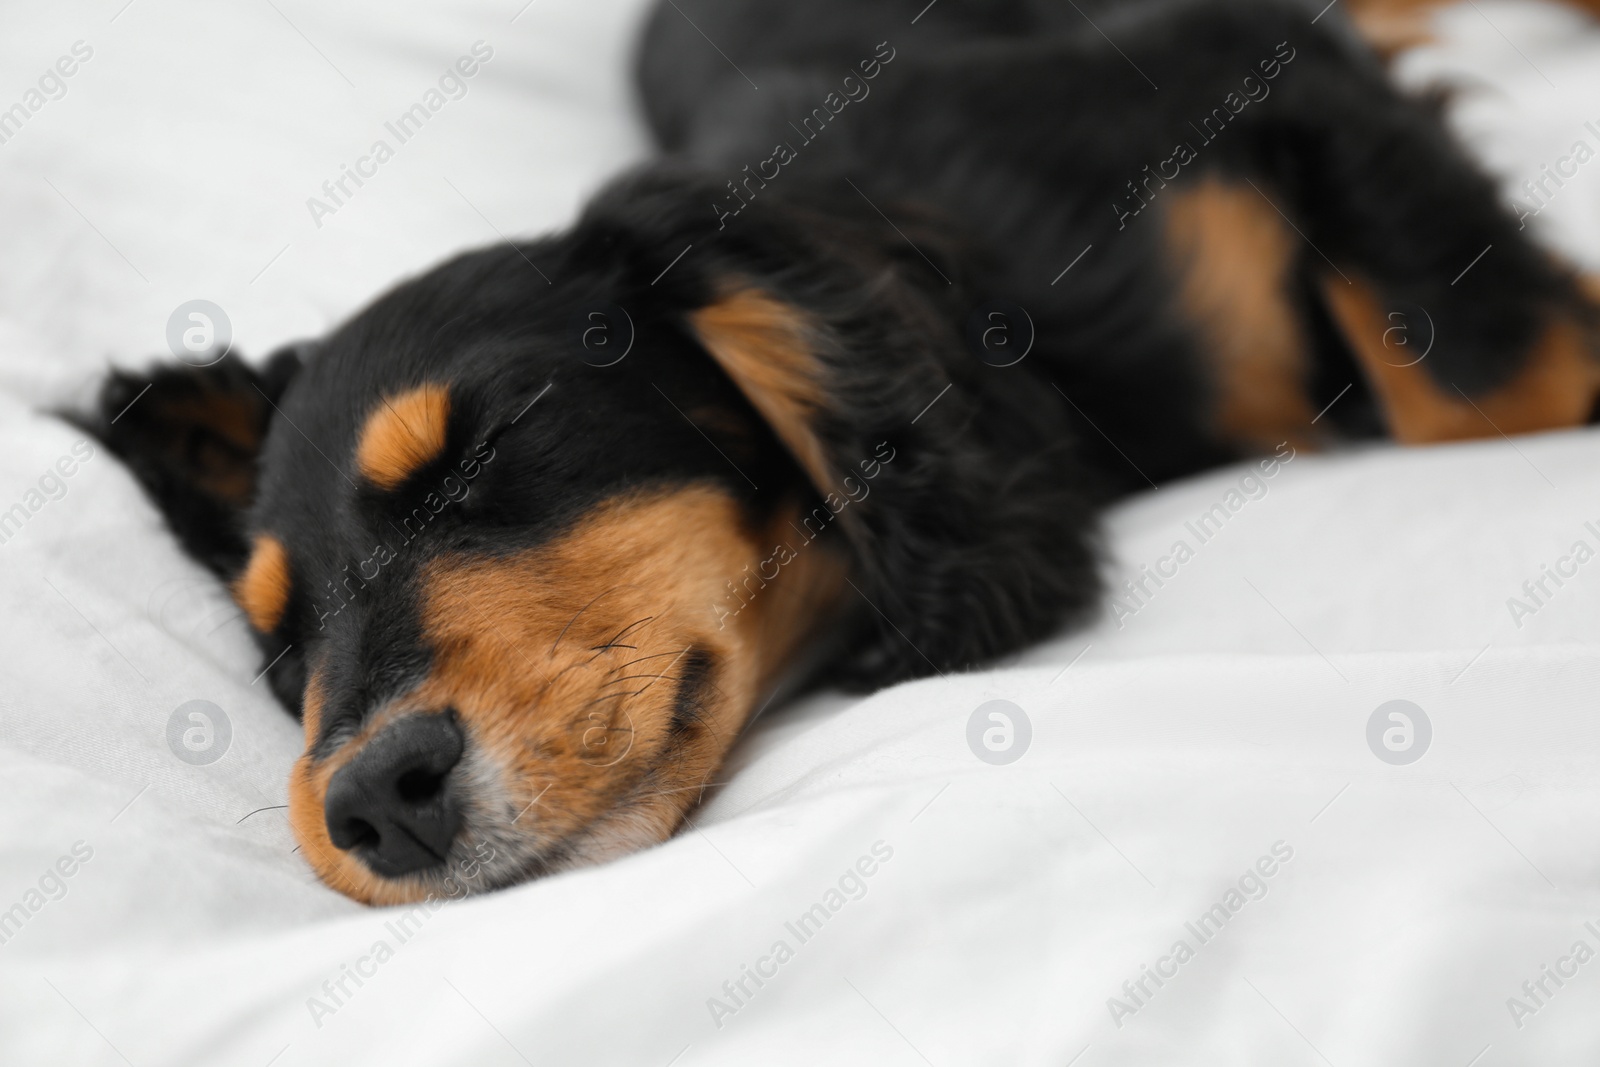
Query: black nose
x=394 y=805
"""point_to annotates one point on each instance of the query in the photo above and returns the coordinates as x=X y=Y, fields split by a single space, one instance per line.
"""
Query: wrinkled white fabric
x=1212 y=731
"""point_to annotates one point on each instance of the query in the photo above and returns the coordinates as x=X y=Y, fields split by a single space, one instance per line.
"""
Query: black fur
x=1020 y=125
x=162 y=425
x=994 y=144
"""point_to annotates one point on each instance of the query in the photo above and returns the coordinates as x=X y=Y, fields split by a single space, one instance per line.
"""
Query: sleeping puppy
x=834 y=391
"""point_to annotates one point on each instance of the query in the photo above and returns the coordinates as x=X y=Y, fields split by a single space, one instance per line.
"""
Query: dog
x=835 y=389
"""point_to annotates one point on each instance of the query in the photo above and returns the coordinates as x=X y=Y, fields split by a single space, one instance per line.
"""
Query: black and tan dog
x=833 y=390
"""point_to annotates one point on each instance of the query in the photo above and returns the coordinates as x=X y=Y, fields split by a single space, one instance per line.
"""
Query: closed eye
x=693 y=681
x=494 y=435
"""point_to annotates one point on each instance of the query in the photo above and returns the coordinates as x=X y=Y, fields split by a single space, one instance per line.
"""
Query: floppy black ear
x=191 y=436
x=967 y=519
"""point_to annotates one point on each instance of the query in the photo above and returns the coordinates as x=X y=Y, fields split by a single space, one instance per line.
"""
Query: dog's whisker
x=612 y=643
x=641 y=659
x=686 y=650
x=702 y=787
x=609 y=696
x=554 y=645
x=632 y=626
x=634 y=677
x=696 y=716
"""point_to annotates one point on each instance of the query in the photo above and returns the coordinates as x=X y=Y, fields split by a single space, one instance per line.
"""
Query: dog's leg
x=1554 y=381
x=1462 y=326
x=1392 y=26
x=1437 y=300
x=1234 y=260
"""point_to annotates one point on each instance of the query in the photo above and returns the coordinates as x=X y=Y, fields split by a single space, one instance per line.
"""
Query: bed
x=1324 y=790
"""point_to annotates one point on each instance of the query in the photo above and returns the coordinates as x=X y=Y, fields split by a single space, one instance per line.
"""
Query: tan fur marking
x=527 y=650
x=1234 y=256
x=1392 y=26
x=402 y=434
x=813 y=583
x=308 y=784
x=1555 y=388
x=262 y=590
x=766 y=347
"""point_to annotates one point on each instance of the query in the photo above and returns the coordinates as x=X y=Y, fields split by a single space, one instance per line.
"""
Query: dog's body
x=839 y=386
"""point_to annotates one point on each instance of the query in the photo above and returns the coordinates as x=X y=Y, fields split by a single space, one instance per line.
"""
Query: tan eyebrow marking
x=404 y=432
x=262 y=589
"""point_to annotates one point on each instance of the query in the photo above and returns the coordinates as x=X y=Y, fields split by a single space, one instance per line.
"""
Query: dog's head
x=529 y=540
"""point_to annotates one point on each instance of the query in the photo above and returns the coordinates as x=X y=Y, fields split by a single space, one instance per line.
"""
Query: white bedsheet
x=1219 y=729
